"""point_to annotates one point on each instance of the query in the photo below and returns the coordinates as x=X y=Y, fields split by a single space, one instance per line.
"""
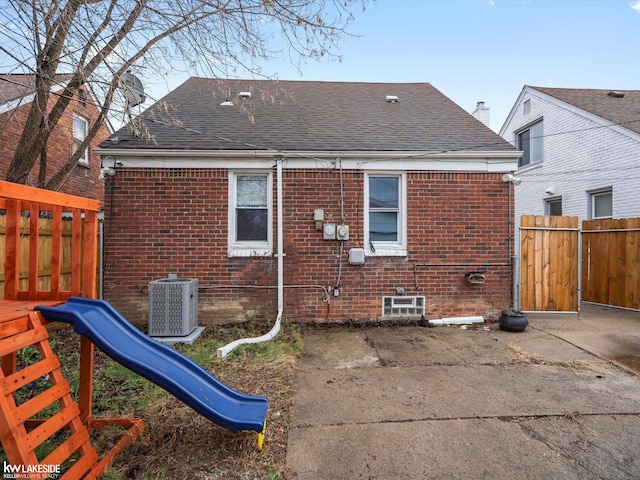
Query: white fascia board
x=515 y=106
x=498 y=161
x=15 y=103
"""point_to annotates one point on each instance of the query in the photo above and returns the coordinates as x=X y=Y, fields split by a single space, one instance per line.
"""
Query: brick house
x=581 y=152
x=16 y=96
x=392 y=202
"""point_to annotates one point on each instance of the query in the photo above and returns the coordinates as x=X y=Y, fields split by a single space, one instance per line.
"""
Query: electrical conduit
x=228 y=348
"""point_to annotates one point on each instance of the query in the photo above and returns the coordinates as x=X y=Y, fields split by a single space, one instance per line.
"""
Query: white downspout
x=228 y=348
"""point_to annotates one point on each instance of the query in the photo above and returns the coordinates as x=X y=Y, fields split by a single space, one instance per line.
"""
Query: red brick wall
x=175 y=221
x=83 y=180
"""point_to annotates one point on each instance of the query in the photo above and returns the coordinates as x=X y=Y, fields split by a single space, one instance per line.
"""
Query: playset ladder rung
x=29 y=374
x=50 y=426
x=22 y=340
x=12 y=327
x=20 y=443
x=66 y=449
x=38 y=403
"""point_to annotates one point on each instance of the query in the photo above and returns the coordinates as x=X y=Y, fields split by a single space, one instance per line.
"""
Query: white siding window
x=250 y=214
x=385 y=230
x=600 y=204
x=530 y=141
x=80 y=132
x=553 y=206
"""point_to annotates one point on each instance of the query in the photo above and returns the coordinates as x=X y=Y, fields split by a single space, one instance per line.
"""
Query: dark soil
x=177 y=442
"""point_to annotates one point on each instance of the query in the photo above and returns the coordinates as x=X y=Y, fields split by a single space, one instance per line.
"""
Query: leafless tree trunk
x=97 y=41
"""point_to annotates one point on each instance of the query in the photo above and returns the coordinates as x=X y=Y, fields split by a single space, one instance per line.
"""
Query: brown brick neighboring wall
x=164 y=221
x=83 y=180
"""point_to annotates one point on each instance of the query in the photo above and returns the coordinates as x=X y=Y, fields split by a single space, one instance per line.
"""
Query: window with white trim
x=600 y=204
x=250 y=214
x=385 y=214
x=80 y=132
x=530 y=141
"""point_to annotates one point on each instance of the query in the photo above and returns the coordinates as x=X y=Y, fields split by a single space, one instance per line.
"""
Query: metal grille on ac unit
x=173 y=307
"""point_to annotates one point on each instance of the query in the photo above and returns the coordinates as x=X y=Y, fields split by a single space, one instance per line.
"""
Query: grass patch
x=177 y=442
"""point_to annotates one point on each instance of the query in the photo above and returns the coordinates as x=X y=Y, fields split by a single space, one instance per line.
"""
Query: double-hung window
x=385 y=214
x=80 y=132
x=530 y=141
x=250 y=214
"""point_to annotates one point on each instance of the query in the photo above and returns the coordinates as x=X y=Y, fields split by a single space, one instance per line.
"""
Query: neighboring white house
x=581 y=152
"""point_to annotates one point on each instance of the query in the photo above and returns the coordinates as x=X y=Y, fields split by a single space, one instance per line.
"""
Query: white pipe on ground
x=228 y=348
x=457 y=321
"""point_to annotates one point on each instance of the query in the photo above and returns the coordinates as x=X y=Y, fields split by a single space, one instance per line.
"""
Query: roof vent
x=227 y=103
x=244 y=94
x=616 y=94
x=392 y=98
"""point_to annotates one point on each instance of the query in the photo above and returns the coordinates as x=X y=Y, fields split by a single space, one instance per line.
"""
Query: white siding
x=580 y=154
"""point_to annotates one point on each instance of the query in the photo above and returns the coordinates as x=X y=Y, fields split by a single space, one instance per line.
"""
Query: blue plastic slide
x=164 y=366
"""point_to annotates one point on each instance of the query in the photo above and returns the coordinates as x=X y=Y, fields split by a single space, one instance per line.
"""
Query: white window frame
x=593 y=195
x=534 y=140
x=77 y=141
x=380 y=248
x=526 y=107
x=249 y=248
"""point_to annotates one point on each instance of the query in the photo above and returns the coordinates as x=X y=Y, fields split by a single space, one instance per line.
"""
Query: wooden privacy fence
x=47 y=254
x=555 y=274
x=549 y=263
x=45 y=248
x=611 y=262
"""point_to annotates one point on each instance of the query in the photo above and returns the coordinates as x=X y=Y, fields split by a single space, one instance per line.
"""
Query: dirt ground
x=178 y=443
x=399 y=402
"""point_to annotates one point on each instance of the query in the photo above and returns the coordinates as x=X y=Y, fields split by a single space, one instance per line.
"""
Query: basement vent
x=400 y=306
x=392 y=98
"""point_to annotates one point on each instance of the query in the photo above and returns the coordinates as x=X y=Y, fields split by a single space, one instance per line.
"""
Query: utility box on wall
x=173 y=307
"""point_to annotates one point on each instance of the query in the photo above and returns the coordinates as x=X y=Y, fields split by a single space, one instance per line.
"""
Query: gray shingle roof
x=310 y=116
x=14 y=86
x=619 y=110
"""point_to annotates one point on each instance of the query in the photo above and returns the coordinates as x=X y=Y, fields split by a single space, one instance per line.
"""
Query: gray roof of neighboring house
x=309 y=116
x=623 y=110
x=15 y=86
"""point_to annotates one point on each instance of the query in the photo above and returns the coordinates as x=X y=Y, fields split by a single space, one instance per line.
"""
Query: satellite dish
x=132 y=88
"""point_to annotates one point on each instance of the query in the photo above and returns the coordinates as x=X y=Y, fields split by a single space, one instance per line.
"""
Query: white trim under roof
x=17 y=102
x=496 y=161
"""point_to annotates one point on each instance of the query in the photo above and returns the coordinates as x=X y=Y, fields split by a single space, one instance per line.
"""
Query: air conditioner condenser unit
x=173 y=307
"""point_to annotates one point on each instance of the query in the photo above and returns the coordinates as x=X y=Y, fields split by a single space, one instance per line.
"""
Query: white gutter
x=224 y=351
x=329 y=155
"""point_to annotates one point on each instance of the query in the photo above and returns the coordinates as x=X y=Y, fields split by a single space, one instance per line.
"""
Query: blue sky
x=486 y=49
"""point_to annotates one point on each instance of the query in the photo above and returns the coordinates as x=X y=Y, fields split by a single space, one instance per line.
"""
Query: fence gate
x=611 y=262
x=549 y=278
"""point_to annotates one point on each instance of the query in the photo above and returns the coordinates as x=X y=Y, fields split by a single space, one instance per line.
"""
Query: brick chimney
x=482 y=113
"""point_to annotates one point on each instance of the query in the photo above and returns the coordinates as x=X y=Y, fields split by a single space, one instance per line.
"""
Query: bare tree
x=97 y=41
